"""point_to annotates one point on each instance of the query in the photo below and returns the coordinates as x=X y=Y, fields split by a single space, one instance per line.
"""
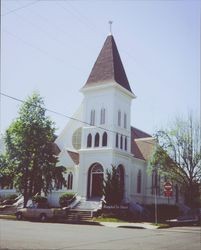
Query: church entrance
x=95 y=181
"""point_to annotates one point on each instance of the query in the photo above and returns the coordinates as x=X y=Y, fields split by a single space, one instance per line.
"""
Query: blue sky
x=51 y=46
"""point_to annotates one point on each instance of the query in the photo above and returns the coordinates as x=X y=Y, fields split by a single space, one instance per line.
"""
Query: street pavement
x=54 y=236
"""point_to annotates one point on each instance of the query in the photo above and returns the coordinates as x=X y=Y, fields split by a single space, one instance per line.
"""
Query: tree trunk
x=25 y=193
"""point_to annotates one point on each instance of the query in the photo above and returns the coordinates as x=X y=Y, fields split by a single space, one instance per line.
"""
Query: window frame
x=92 y=117
x=104 y=139
x=102 y=117
x=97 y=140
x=139 y=181
x=70 y=181
x=119 y=118
x=89 y=140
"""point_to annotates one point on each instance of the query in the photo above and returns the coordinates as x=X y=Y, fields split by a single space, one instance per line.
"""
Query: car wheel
x=43 y=217
x=19 y=216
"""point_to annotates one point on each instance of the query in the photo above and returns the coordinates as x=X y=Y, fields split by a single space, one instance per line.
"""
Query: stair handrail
x=72 y=199
x=75 y=200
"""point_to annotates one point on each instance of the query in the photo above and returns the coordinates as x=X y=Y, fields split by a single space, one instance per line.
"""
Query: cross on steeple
x=110 y=23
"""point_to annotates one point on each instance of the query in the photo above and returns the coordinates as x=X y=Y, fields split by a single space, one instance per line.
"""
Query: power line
x=44 y=32
x=44 y=52
x=19 y=8
x=72 y=118
x=61 y=114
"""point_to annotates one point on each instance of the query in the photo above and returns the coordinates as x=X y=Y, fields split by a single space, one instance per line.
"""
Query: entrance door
x=95 y=181
x=97 y=185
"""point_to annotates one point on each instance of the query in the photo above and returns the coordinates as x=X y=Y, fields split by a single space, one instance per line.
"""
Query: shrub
x=66 y=199
x=12 y=197
x=9 y=199
x=41 y=200
x=164 y=211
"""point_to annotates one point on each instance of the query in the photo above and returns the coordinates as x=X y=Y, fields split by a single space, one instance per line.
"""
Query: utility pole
x=155 y=196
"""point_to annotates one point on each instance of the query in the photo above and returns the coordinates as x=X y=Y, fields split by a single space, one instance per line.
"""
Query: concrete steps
x=88 y=205
x=79 y=215
x=84 y=210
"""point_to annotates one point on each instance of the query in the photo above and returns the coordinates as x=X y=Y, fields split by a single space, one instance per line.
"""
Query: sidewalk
x=142 y=225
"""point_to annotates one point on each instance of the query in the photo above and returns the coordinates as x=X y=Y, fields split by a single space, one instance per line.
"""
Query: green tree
x=112 y=188
x=178 y=156
x=6 y=172
x=28 y=143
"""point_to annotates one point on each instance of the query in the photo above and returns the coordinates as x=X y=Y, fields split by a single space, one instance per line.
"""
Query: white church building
x=100 y=135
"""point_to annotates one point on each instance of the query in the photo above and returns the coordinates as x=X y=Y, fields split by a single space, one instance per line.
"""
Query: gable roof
x=137 y=133
x=146 y=147
x=142 y=144
x=74 y=156
x=108 y=66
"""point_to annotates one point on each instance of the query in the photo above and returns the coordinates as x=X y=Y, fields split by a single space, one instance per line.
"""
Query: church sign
x=115 y=207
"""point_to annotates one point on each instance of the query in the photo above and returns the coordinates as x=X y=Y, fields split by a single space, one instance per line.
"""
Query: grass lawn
x=109 y=219
x=161 y=225
x=8 y=217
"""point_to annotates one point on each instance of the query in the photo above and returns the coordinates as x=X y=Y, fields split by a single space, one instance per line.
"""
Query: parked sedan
x=42 y=214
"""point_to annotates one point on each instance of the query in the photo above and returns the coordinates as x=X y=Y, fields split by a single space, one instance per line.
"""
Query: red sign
x=168 y=189
x=167 y=193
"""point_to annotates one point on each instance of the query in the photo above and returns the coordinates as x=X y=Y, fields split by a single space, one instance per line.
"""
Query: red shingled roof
x=137 y=133
x=108 y=66
x=142 y=144
x=74 y=156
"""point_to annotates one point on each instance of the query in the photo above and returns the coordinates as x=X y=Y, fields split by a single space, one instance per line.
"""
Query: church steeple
x=108 y=67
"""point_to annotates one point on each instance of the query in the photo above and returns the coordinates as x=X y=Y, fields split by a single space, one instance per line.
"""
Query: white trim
x=96 y=86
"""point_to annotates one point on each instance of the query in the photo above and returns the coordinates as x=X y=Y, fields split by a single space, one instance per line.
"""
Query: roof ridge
x=141 y=131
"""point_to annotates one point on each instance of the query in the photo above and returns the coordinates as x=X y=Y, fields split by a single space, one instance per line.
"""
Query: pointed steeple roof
x=108 y=66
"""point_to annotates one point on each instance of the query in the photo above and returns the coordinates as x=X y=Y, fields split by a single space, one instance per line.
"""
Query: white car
x=42 y=214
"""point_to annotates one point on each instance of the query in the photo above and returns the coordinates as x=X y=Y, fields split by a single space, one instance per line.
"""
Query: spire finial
x=110 y=23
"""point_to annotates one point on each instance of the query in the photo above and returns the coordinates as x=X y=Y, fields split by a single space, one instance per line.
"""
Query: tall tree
x=113 y=189
x=28 y=145
x=6 y=172
x=179 y=156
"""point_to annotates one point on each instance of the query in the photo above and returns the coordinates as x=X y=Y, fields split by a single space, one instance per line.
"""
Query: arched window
x=121 y=174
x=104 y=139
x=92 y=117
x=155 y=183
x=117 y=140
x=58 y=184
x=139 y=181
x=121 y=142
x=97 y=139
x=89 y=141
x=70 y=181
x=119 y=118
x=125 y=146
x=102 y=118
x=125 y=120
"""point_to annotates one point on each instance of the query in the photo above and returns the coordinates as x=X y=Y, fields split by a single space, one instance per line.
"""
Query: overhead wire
x=69 y=117
x=44 y=32
x=19 y=8
x=60 y=114
x=47 y=53
x=44 y=52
